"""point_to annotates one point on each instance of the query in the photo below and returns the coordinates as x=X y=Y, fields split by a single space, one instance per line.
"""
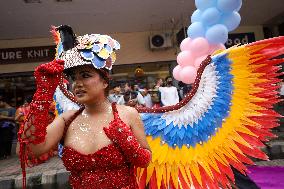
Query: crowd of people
x=161 y=93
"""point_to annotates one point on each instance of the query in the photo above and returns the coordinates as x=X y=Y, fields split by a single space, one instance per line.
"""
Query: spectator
x=116 y=97
x=183 y=89
x=130 y=96
x=23 y=110
x=140 y=99
x=169 y=93
x=147 y=97
x=159 y=83
x=7 y=128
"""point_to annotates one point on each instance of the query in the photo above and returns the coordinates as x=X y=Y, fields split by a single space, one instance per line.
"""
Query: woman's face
x=87 y=85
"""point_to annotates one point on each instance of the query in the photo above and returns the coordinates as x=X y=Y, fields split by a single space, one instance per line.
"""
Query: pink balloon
x=216 y=47
x=188 y=74
x=185 y=58
x=185 y=44
x=199 y=46
x=176 y=72
x=199 y=60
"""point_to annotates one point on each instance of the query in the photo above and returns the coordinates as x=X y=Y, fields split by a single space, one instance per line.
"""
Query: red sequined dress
x=107 y=168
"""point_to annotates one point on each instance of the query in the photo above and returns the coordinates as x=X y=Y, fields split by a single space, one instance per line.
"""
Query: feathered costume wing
x=220 y=123
x=223 y=120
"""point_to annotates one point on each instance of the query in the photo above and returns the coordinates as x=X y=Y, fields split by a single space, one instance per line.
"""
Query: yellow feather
x=150 y=170
x=195 y=171
x=183 y=173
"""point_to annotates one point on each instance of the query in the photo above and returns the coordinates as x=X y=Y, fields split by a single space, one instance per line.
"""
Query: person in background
x=116 y=96
x=130 y=96
x=159 y=83
x=23 y=110
x=7 y=128
x=183 y=89
x=140 y=99
x=169 y=93
x=147 y=97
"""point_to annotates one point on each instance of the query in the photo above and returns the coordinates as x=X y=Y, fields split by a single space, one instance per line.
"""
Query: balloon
x=199 y=46
x=188 y=74
x=232 y=20
x=185 y=44
x=196 y=16
x=204 y=4
x=211 y=16
x=228 y=5
x=217 y=34
x=198 y=61
x=185 y=58
x=176 y=72
x=195 y=30
x=239 y=8
x=215 y=47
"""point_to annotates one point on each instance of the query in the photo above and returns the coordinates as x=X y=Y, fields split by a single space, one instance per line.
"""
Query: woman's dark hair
x=168 y=77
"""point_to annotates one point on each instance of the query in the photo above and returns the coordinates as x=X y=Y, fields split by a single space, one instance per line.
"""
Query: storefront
x=19 y=84
x=16 y=86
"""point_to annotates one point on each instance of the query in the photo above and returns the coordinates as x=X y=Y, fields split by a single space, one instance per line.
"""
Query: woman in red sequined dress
x=103 y=142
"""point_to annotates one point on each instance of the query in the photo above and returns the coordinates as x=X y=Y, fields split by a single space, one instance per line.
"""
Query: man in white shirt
x=116 y=96
x=169 y=93
x=146 y=97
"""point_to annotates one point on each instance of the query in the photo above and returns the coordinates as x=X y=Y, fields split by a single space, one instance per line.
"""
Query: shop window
x=15 y=87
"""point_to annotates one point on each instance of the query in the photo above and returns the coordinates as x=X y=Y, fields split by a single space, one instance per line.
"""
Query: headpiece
x=94 y=49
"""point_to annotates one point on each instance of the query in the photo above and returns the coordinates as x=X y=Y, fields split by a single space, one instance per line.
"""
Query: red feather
x=55 y=35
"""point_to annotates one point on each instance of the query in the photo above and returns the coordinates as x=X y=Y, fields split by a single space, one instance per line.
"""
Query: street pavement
x=53 y=171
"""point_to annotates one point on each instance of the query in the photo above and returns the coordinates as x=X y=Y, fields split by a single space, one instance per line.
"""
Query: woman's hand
x=48 y=77
x=131 y=140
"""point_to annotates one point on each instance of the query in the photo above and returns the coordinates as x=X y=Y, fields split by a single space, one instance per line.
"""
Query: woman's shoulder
x=127 y=110
x=127 y=113
x=68 y=114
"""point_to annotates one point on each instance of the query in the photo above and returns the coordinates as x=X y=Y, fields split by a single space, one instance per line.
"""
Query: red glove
x=122 y=135
x=33 y=130
x=47 y=79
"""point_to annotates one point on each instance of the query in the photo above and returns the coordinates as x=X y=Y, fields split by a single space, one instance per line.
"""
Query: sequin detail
x=107 y=168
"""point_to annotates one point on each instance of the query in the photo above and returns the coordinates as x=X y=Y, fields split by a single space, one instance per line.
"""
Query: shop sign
x=27 y=54
x=240 y=38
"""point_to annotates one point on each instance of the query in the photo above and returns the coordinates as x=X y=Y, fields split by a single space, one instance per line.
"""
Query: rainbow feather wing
x=224 y=119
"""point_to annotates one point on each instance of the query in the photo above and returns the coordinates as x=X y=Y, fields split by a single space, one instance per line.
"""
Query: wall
x=134 y=48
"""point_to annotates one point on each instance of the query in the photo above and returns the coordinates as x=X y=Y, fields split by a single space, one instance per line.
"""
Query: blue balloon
x=204 y=4
x=231 y=21
x=239 y=8
x=195 y=30
x=228 y=5
x=196 y=16
x=217 y=34
x=211 y=16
